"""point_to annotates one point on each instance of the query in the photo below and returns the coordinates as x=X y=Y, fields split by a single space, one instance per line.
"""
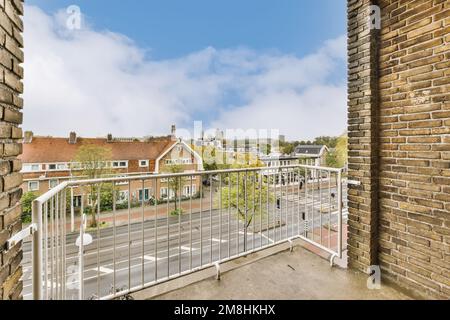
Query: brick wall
x=363 y=139
x=11 y=73
x=412 y=145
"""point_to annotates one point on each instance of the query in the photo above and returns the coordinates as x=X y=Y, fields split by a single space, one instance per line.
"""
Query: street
x=194 y=240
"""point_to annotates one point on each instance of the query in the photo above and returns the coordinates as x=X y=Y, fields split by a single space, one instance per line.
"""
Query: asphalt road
x=135 y=257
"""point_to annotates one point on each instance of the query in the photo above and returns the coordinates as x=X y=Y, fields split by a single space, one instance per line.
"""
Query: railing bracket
x=22 y=235
x=291 y=245
x=333 y=256
x=217 y=271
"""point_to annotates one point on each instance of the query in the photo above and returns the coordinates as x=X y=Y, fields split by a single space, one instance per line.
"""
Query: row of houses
x=49 y=161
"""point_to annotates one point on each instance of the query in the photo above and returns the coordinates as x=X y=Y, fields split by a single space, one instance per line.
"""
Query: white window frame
x=120 y=164
x=31 y=189
x=168 y=193
x=59 y=166
x=50 y=183
x=77 y=200
x=30 y=166
x=145 y=165
x=123 y=196
x=191 y=190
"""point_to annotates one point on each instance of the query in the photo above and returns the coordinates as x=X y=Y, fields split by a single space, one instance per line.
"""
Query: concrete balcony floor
x=273 y=274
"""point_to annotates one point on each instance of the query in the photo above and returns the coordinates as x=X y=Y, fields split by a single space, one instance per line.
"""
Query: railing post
x=339 y=190
x=81 y=258
x=37 y=251
x=72 y=213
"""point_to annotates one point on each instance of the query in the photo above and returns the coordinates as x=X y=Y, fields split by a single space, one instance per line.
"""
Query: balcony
x=237 y=217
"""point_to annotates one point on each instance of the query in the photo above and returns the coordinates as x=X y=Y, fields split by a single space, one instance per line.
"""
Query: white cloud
x=98 y=82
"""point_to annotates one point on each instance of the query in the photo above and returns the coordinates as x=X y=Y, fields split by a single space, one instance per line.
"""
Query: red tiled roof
x=50 y=149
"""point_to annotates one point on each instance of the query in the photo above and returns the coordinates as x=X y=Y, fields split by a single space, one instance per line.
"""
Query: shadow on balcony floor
x=300 y=275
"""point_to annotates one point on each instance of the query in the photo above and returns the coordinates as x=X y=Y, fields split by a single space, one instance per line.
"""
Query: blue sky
x=223 y=47
x=177 y=27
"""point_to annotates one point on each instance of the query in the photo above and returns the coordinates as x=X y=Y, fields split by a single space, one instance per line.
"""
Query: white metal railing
x=140 y=244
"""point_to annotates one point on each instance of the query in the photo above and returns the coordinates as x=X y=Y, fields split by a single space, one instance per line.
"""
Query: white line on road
x=151 y=258
x=218 y=240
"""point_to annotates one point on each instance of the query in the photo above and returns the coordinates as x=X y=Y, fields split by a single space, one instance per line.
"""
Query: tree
x=243 y=193
x=174 y=183
x=341 y=150
x=338 y=157
x=92 y=161
x=27 y=204
x=266 y=148
x=330 y=142
x=288 y=148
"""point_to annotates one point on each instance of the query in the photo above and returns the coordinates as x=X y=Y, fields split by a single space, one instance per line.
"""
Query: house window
x=123 y=196
x=189 y=190
x=146 y=194
x=33 y=185
x=143 y=163
x=120 y=164
x=163 y=193
x=52 y=166
x=31 y=167
x=76 y=201
x=179 y=161
x=52 y=183
x=89 y=200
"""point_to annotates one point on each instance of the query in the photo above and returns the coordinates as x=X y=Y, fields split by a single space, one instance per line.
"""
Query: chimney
x=173 y=131
x=28 y=137
x=109 y=138
x=73 y=138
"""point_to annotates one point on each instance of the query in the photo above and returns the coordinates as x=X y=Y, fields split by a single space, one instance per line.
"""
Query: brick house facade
x=49 y=161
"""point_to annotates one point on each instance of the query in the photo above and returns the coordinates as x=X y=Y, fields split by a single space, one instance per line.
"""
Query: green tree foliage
x=175 y=183
x=243 y=194
x=341 y=150
x=338 y=157
x=330 y=142
x=266 y=148
x=92 y=161
x=27 y=201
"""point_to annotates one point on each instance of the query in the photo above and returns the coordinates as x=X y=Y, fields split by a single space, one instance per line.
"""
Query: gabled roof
x=187 y=147
x=51 y=149
x=313 y=150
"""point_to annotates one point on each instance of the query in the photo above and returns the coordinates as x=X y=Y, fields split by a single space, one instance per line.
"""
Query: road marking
x=266 y=237
x=218 y=240
x=150 y=258
x=106 y=270
x=187 y=248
